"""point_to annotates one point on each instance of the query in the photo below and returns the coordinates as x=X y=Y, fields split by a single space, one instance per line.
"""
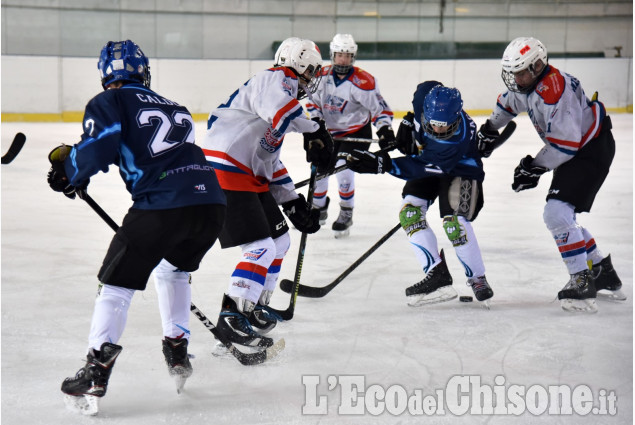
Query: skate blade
x=85 y=404
x=443 y=294
x=341 y=233
x=485 y=304
x=180 y=375
x=605 y=294
x=579 y=306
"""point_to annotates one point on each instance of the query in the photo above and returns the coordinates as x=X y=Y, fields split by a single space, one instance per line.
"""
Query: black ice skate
x=235 y=326
x=262 y=320
x=82 y=392
x=579 y=293
x=482 y=291
x=606 y=279
x=436 y=287
x=324 y=214
x=342 y=225
x=179 y=366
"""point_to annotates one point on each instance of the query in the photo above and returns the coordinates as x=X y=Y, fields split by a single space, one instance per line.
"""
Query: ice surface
x=52 y=249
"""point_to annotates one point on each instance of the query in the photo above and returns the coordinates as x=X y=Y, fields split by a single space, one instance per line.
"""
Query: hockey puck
x=466 y=299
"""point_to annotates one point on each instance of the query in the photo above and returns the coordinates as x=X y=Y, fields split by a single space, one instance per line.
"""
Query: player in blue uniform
x=441 y=134
x=177 y=214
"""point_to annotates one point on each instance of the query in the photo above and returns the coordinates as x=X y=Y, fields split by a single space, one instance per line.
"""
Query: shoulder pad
x=551 y=87
x=362 y=79
x=288 y=72
x=326 y=70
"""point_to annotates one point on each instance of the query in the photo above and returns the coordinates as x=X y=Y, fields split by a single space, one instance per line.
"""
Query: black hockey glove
x=319 y=146
x=526 y=176
x=405 y=136
x=305 y=218
x=486 y=135
x=386 y=137
x=56 y=177
x=368 y=162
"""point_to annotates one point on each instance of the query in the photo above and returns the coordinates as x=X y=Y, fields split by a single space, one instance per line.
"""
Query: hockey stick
x=288 y=313
x=431 y=169
x=504 y=136
x=319 y=292
x=246 y=359
x=355 y=139
x=14 y=149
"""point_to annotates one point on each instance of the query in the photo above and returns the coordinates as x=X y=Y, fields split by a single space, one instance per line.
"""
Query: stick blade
x=286 y=285
x=14 y=149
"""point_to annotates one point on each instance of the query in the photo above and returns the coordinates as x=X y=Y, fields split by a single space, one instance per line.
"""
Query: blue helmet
x=123 y=61
x=442 y=108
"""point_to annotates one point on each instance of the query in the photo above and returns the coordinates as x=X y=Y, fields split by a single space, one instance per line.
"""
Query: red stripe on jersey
x=567 y=143
x=234 y=162
x=594 y=129
x=277 y=262
x=284 y=111
x=279 y=173
x=240 y=182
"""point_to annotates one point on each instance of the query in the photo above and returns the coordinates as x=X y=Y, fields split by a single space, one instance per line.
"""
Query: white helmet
x=343 y=43
x=283 y=50
x=305 y=59
x=523 y=53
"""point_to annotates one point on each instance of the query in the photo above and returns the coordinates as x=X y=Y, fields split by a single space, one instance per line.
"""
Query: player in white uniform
x=579 y=148
x=243 y=142
x=348 y=100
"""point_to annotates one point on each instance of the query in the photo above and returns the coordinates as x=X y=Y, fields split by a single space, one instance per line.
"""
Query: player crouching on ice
x=441 y=134
x=175 y=219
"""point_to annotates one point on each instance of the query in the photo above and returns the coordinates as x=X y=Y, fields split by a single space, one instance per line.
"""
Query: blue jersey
x=457 y=156
x=151 y=140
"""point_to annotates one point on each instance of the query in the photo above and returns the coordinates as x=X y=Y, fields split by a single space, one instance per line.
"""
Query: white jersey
x=347 y=105
x=245 y=134
x=561 y=113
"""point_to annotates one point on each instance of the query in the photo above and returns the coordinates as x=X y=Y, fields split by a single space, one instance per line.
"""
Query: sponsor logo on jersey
x=272 y=140
x=200 y=188
x=185 y=169
x=334 y=104
x=554 y=191
x=255 y=254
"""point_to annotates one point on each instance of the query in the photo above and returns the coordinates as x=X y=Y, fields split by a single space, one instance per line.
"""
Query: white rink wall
x=62 y=85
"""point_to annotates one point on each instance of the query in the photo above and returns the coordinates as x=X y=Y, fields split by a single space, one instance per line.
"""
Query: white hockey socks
x=346 y=186
x=109 y=316
x=282 y=244
x=249 y=276
x=560 y=220
x=467 y=249
x=423 y=241
x=175 y=295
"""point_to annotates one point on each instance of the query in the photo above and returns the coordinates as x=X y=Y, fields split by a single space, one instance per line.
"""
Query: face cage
x=311 y=84
x=427 y=127
x=342 y=69
x=510 y=82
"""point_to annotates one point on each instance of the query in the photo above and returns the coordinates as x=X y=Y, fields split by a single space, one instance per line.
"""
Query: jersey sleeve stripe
x=283 y=115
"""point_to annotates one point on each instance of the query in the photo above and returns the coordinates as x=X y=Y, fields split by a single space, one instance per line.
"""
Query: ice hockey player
x=243 y=142
x=348 y=100
x=441 y=134
x=176 y=216
x=579 y=148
